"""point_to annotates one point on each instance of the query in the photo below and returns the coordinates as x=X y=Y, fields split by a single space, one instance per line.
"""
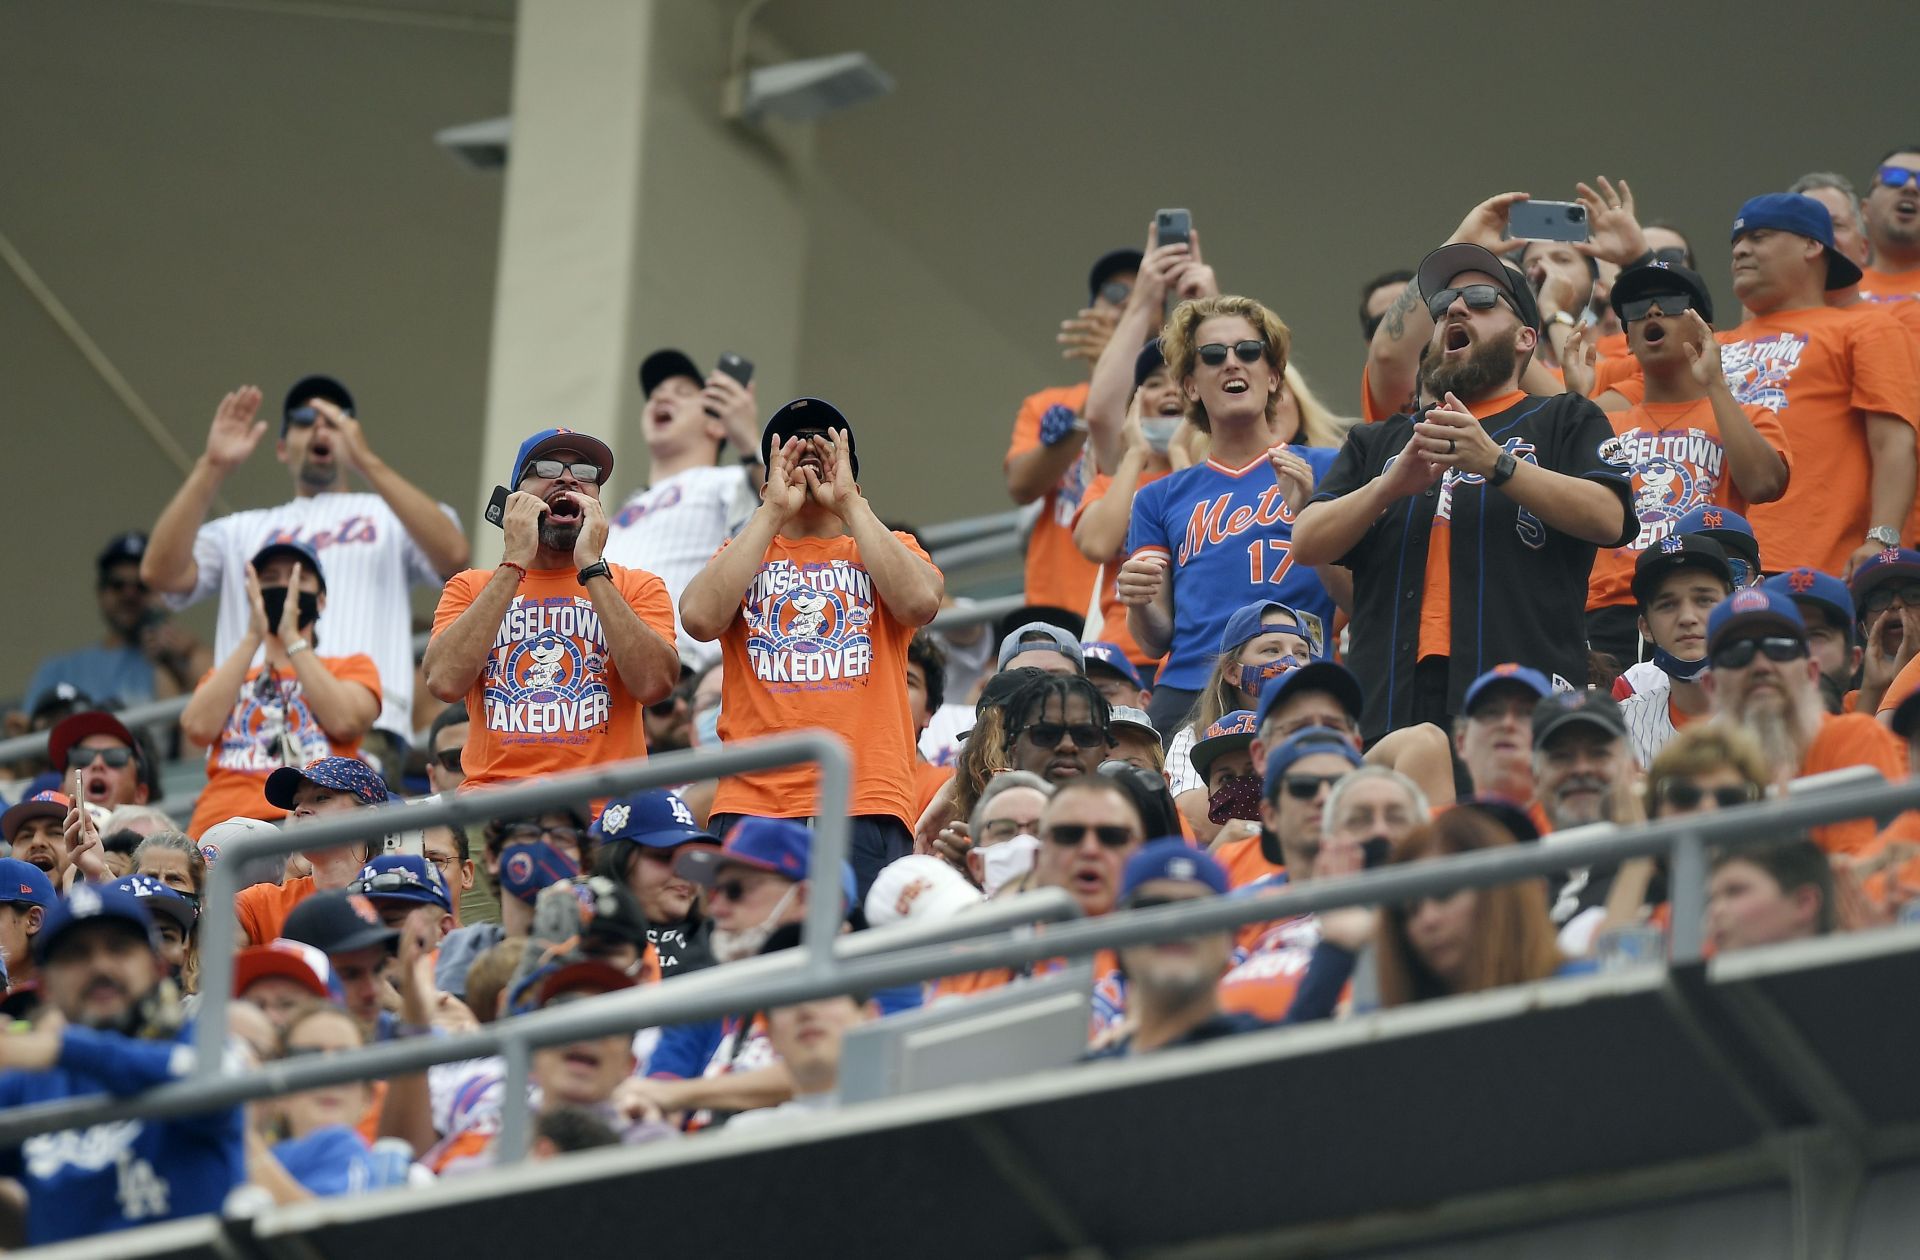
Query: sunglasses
x=1898 y=177
x=1049 y=734
x=733 y=889
x=1478 y=297
x=1150 y=902
x=675 y=698
x=306 y=417
x=116 y=758
x=1742 y=572
x=1304 y=787
x=1116 y=293
x=1685 y=794
x=390 y=882
x=1778 y=647
x=1214 y=353
x=1070 y=835
x=1907 y=595
x=448 y=759
x=550 y=470
x=1668 y=304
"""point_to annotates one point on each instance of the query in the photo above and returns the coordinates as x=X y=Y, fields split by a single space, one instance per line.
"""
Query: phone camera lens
x=1576 y=213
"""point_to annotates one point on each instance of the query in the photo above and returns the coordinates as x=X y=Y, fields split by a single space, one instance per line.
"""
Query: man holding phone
x=692 y=501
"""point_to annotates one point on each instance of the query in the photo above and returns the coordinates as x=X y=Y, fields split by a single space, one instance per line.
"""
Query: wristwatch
x=1885 y=535
x=1503 y=469
x=296 y=646
x=598 y=568
x=1563 y=319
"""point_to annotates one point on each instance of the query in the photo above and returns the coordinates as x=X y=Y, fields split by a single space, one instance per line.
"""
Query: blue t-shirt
x=329 y=1161
x=119 y=675
x=1229 y=537
x=121 y=1175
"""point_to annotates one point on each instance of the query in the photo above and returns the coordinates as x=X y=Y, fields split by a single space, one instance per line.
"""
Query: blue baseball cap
x=528 y=868
x=339 y=774
x=1735 y=536
x=778 y=845
x=161 y=900
x=1050 y=638
x=295 y=549
x=1331 y=677
x=403 y=877
x=1802 y=216
x=1506 y=675
x=1308 y=743
x=655 y=820
x=1233 y=732
x=591 y=449
x=1893 y=564
x=1172 y=859
x=1675 y=552
x=93 y=903
x=24 y=884
x=1250 y=621
x=1110 y=656
x=1754 y=609
x=1810 y=586
x=1147 y=362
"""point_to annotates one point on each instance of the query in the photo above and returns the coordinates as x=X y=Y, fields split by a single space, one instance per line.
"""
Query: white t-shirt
x=369 y=561
x=1649 y=721
x=672 y=528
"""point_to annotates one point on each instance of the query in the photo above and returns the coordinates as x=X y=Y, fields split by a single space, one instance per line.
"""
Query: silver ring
x=1449 y=446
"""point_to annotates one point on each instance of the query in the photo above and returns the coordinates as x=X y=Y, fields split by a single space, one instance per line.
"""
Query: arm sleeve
x=1026 y=428
x=1769 y=427
x=209 y=555
x=358 y=668
x=1319 y=992
x=125 y=1064
x=1352 y=467
x=1146 y=526
x=1885 y=368
x=420 y=570
x=647 y=595
x=455 y=598
x=684 y=1050
x=1181 y=776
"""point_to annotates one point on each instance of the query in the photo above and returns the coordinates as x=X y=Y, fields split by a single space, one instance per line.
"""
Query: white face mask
x=746 y=942
x=1007 y=862
x=1159 y=431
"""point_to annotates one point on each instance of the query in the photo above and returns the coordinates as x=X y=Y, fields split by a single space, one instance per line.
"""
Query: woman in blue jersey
x=1214 y=537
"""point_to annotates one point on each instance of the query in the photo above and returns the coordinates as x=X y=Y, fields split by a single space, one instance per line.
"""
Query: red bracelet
x=508 y=564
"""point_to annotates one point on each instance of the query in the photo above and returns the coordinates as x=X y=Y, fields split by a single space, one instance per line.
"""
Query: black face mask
x=274 y=600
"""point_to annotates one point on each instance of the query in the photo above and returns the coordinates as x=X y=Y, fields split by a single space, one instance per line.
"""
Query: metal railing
x=825 y=967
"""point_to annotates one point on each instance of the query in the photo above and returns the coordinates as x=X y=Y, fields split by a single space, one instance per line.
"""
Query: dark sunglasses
x=732 y=889
x=1669 y=304
x=1304 y=787
x=391 y=882
x=448 y=759
x=1778 y=647
x=81 y=758
x=306 y=417
x=550 y=470
x=1685 y=794
x=1478 y=297
x=1149 y=902
x=1116 y=292
x=1048 y=734
x=1882 y=598
x=675 y=698
x=1069 y=835
x=1898 y=177
x=1742 y=572
x=1214 y=353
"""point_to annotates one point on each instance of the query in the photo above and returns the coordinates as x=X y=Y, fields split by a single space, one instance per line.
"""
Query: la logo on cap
x=1181 y=868
x=83 y=901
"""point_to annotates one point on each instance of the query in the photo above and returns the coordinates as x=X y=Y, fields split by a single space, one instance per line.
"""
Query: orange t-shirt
x=1901 y=877
x=1244 y=861
x=1903 y=685
x=1611 y=346
x=1113 y=613
x=1884 y=286
x=1852 y=739
x=549 y=697
x=928 y=779
x=1436 y=601
x=1679 y=463
x=815 y=646
x=1371 y=408
x=246 y=751
x=1908 y=315
x=1057 y=574
x=263 y=908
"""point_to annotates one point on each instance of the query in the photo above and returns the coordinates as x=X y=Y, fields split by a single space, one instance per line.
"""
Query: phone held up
x=1548 y=221
x=1173 y=227
x=496 y=512
x=739 y=368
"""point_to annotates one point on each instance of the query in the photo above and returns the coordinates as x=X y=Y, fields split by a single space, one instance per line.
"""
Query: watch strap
x=598 y=568
x=1503 y=469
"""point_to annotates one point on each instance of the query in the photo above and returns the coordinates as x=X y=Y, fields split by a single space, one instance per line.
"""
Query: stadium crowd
x=1592 y=553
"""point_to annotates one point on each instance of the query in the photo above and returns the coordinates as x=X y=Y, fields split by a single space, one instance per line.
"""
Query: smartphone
x=496 y=512
x=738 y=368
x=1547 y=221
x=1173 y=227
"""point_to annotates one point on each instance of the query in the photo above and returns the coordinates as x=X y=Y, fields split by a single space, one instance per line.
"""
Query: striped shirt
x=673 y=527
x=1649 y=718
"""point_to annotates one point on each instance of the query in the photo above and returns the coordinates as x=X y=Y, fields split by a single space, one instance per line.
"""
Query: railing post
x=511 y=1146
x=832 y=830
x=1688 y=896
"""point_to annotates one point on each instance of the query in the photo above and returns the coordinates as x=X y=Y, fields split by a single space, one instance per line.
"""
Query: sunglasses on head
x=550 y=470
x=1685 y=794
x=448 y=759
x=1214 y=353
x=1478 y=297
x=1304 y=787
x=1149 y=902
x=1072 y=834
x=390 y=882
x=1778 y=647
x=1882 y=598
x=1049 y=734
x=1669 y=304
x=81 y=758
x=1898 y=176
x=1742 y=572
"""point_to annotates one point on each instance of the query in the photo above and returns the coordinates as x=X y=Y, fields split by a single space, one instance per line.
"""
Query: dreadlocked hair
x=1030 y=699
x=981 y=757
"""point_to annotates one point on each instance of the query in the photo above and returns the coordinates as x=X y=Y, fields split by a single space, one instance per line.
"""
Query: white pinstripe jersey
x=671 y=529
x=1649 y=722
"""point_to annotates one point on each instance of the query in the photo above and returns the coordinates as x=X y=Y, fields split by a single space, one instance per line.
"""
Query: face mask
x=274 y=600
x=1254 y=678
x=1237 y=798
x=746 y=942
x=1677 y=669
x=1007 y=862
x=706 y=725
x=1159 y=431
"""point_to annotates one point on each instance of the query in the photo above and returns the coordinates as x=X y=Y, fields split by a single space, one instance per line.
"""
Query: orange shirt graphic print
x=810 y=625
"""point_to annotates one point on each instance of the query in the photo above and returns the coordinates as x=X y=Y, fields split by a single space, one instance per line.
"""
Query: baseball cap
x=340 y=774
x=1308 y=743
x=1439 y=267
x=301 y=553
x=1108 y=265
x=93 y=903
x=23 y=883
x=1147 y=362
x=1051 y=638
x=1678 y=551
x=289 y=960
x=591 y=449
x=1754 y=609
x=656 y=820
x=1111 y=657
x=403 y=877
x=215 y=839
x=1662 y=277
x=806 y=415
x=308 y=388
x=1126 y=715
x=609 y=909
x=1810 y=586
x=1892 y=564
x=921 y=888
x=1802 y=216
x=62 y=695
x=70 y=730
x=664 y=365
x=160 y=899
x=1172 y=859
x=526 y=869
x=588 y=975
x=1562 y=709
x=120 y=549
x=1231 y=733
x=1330 y=677
x=765 y=844
x=47 y=804
x=1731 y=530
x=1250 y=621
x=338 y=922
x=1508 y=674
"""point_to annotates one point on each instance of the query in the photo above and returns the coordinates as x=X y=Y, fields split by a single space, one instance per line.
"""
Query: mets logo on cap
x=364 y=908
x=1750 y=599
x=1240 y=722
x=1800 y=581
x=1712 y=520
x=1670 y=545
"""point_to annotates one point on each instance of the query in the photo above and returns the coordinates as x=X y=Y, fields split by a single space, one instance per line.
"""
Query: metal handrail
x=759 y=983
x=967 y=528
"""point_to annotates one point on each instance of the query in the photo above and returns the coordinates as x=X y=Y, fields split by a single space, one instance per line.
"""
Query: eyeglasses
x=306 y=417
x=1069 y=835
x=733 y=889
x=81 y=758
x=520 y=833
x=1304 y=787
x=1778 y=647
x=1898 y=177
x=996 y=830
x=1478 y=297
x=1214 y=353
x=1685 y=793
x=1907 y=595
x=123 y=586
x=1668 y=303
x=550 y=470
x=1049 y=734
x=448 y=759
x=675 y=698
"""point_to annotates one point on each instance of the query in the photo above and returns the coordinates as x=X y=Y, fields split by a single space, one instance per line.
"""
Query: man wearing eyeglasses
x=104 y=753
x=376 y=545
x=1885 y=591
x=554 y=649
x=1892 y=213
x=1763 y=678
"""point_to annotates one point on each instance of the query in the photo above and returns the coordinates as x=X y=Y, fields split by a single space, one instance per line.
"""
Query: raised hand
x=1086 y=334
x=1703 y=352
x=785 y=491
x=521 y=525
x=235 y=431
x=833 y=487
x=1451 y=438
x=256 y=607
x=1486 y=224
x=1294 y=474
x=1578 y=358
x=1193 y=279
x=289 y=628
x=1613 y=232
x=733 y=408
x=354 y=451
x=592 y=539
